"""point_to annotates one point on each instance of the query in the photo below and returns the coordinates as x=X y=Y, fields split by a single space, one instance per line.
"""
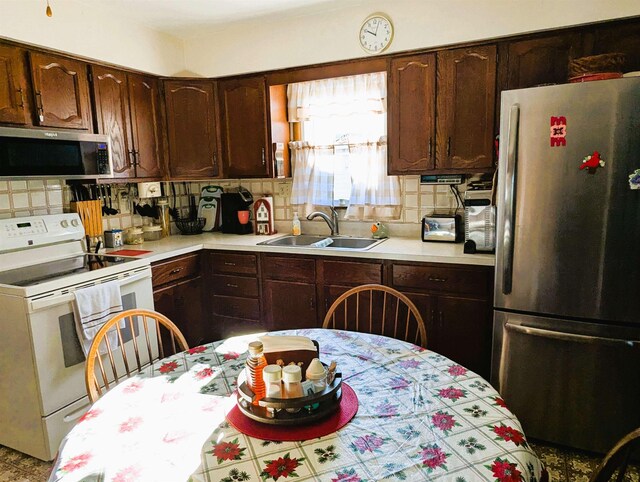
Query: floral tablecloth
x=421 y=417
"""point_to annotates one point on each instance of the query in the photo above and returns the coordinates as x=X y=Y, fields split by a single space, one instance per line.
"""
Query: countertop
x=396 y=248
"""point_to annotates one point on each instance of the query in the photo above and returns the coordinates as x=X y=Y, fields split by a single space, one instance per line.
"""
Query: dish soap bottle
x=295 y=225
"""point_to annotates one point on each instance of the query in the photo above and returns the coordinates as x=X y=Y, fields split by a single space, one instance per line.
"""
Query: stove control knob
x=74 y=223
x=64 y=223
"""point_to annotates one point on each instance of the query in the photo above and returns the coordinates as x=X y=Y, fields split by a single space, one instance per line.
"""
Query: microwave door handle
x=509 y=201
x=37 y=305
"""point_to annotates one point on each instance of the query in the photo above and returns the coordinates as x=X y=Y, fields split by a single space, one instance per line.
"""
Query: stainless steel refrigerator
x=566 y=347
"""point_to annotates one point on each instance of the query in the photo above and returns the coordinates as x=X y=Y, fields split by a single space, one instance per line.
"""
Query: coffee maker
x=232 y=202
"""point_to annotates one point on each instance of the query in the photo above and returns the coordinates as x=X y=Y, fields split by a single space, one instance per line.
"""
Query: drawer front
x=346 y=273
x=475 y=281
x=236 y=307
x=238 y=286
x=289 y=269
x=221 y=262
x=175 y=269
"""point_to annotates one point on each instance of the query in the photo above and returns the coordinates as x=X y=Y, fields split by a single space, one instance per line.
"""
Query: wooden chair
x=158 y=334
x=380 y=310
x=618 y=458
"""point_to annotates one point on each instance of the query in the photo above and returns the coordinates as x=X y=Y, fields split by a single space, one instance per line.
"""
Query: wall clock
x=376 y=33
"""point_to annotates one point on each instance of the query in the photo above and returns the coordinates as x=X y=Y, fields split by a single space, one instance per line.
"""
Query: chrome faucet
x=332 y=221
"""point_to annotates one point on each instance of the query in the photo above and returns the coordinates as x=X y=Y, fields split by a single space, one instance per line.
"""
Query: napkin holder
x=297 y=355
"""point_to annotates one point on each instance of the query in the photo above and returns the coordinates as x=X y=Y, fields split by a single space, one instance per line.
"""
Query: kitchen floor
x=563 y=465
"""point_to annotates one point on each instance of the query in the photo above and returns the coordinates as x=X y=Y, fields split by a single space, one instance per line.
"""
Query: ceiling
x=184 y=18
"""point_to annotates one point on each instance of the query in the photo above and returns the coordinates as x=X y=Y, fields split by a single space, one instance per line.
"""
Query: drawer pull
x=175 y=271
x=229 y=285
x=226 y=263
x=437 y=279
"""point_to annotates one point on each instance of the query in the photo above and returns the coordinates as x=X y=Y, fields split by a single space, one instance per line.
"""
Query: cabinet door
x=411 y=114
x=244 y=127
x=538 y=61
x=466 y=108
x=61 y=90
x=191 y=129
x=112 y=117
x=289 y=305
x=426 y=305
x=619 y=38
x=145 y=124
x=464 y=332
x=182 y=304
x=13 y=93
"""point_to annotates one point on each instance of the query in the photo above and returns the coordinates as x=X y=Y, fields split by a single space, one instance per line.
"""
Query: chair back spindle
x=379 y=310
x=140 y=323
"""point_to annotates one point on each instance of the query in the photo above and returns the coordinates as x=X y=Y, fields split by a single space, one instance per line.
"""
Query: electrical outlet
x=283 y=189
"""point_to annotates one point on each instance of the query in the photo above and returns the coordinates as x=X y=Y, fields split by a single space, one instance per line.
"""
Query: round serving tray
x=273 y=410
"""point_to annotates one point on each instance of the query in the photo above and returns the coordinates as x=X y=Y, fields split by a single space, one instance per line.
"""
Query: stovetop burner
x=48 y=271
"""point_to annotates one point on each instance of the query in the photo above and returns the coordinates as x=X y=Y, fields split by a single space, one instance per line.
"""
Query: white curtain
x=374 y=195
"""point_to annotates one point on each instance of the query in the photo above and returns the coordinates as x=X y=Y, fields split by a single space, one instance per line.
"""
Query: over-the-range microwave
x=39 y=153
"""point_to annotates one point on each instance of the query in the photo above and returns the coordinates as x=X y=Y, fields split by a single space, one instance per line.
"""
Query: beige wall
x=278 y=42
x=88 y=31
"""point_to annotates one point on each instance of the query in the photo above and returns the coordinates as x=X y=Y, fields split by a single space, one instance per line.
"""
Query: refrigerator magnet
x=592 y=162
x=558 y=131
x=634 y=179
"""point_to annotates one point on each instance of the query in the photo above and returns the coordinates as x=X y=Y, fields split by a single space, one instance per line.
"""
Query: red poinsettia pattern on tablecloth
x=508 y=434
x=505 y=471
x=281 y=467
x=168 y=367
x=227 y=451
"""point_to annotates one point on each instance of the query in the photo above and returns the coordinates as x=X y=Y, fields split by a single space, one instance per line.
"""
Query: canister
x=113 y=238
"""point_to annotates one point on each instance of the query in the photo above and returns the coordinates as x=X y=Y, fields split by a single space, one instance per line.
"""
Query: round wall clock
x=376 y=33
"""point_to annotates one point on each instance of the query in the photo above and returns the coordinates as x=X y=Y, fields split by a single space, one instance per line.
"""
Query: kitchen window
x=340 y=155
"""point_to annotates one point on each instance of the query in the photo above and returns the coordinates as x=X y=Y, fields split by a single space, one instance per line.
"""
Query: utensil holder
x=90 y=213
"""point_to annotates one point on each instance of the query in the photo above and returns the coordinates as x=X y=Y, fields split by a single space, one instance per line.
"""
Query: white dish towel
x=93 y=307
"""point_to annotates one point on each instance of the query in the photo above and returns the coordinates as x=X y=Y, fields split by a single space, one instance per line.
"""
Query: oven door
x=58 y=356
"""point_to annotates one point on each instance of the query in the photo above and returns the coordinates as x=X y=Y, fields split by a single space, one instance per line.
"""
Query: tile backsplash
x=26 y=198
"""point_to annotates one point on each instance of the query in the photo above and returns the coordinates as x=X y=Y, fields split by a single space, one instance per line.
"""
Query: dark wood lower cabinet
x=177 y=294
x=289 y=304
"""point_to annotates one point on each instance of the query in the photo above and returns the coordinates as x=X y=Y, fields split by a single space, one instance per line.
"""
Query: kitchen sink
x=322 y=242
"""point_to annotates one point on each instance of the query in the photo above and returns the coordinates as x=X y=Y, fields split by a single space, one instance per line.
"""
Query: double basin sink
x=324 y=242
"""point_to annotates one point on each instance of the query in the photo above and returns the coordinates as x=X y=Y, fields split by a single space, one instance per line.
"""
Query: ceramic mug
x=243 y=217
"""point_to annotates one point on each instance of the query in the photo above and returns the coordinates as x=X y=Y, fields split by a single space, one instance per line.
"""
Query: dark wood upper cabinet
x=61 y=91
x=537 y=61
x=243 y=124
x=411 y=114
x=112 y=117
x=191 y=128
x=466 y=108
x=13 y=86
x=126 y=108
x=617 y=38
x=144 y=107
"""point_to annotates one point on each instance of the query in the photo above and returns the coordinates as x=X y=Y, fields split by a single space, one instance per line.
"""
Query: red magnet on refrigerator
x=592 y=162
x=558 y=131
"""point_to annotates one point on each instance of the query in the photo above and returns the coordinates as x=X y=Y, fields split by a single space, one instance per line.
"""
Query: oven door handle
x=41 y=304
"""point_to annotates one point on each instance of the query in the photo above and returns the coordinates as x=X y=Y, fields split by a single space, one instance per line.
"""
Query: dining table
x=420 y=416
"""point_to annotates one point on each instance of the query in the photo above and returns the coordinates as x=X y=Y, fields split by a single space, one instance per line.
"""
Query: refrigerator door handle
x=509 y=200
x=571 y=337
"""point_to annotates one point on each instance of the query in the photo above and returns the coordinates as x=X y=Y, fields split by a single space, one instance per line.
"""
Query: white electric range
x=42 y=262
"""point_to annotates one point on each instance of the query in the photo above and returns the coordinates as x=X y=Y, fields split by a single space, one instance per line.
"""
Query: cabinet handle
x=136 y=161
x=226 y=263
x=264 y=160
x=175 y=271
x=39 y=106
x=448 y=147
x=230 y=285
x=430 y=147
x=132 y=158
x=437 y=279
x=21 y=104
x=215 y=159
x=312 y=305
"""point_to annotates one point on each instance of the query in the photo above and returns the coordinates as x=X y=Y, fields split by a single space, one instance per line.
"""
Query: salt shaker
x=272 y=376
x=292 y=377
x=317 y=374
